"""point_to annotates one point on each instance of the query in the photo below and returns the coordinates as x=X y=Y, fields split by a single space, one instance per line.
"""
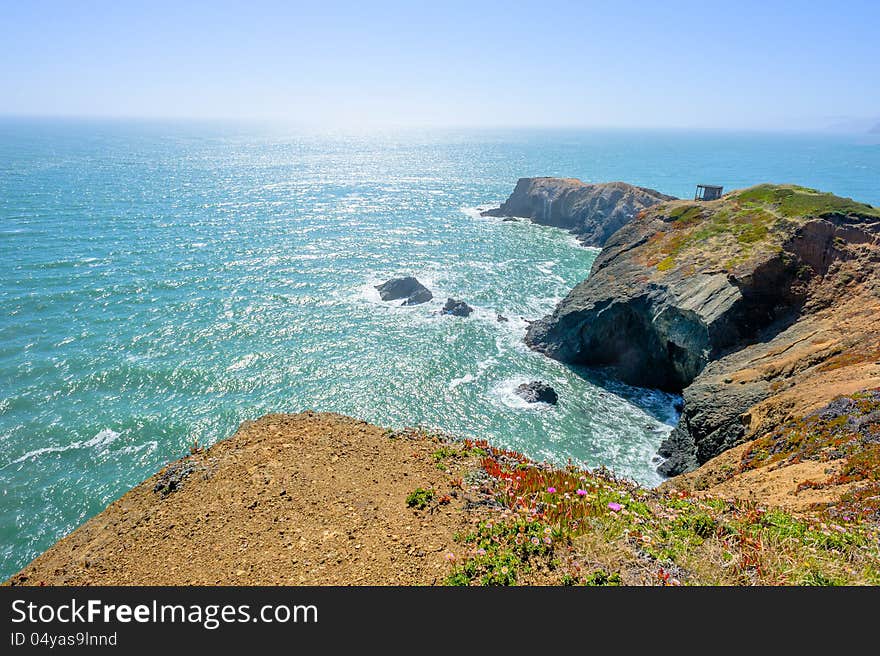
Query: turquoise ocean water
x=160 y=283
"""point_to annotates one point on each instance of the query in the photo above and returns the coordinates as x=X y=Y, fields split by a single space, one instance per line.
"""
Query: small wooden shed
x=708 y=192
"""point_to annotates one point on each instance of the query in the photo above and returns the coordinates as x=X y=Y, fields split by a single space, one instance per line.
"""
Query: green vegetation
x=419 y=498
x=598 y=578
x=503 y=551
x=446 y=453
x=575 y=527
x=742 y=222
x=796 y=201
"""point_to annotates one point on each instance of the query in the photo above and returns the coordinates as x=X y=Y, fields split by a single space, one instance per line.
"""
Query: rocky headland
x=760 y=307
x=592 y=212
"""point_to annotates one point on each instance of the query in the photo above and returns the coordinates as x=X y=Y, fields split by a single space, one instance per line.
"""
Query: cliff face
x=592 y=212
x=760 y=306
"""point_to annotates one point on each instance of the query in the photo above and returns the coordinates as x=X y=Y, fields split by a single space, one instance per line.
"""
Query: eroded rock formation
x=592 y=212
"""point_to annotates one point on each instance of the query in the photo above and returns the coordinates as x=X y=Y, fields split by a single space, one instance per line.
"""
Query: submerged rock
x=411 y=290
x=593 y=212
x=456 y=308
x=537 y=392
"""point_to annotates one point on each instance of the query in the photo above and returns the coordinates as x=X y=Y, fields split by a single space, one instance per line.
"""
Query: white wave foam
x=546 y=267
x=482 y=366
x=102 y=440
x=149 y=447
x=455 y=382
x=474 y=212
x=243 y=362
x=99 y=442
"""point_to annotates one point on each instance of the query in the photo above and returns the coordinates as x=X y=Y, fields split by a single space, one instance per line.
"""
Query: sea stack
x=592 y=212
x=409 y=289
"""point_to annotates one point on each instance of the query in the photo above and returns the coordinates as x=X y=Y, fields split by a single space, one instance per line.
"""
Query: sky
x=672 y=64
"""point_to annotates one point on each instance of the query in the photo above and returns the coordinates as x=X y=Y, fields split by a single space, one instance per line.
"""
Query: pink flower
x=481 y=552
x=615 y=506
x=551 y=490
x=548 y=541
x=450 y=556
x=582 y=493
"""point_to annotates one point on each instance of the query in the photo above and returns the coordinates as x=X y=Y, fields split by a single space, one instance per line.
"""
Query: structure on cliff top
x=708 y=192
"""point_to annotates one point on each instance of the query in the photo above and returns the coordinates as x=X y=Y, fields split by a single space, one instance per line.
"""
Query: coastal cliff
x=761 y=307
x=592 y=212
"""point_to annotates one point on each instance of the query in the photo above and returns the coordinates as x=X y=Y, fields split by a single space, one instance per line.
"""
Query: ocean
x=161 y=283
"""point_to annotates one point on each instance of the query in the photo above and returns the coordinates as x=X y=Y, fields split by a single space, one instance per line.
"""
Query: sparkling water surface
x=161 y=283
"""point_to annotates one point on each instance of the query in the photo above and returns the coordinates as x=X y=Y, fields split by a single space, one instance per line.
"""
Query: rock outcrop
x=760 y=306
x=537 y=391
x=456 y=308
x=409 y=289
x=592 y=212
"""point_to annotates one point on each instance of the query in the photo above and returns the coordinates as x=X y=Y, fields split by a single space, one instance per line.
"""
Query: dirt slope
x=289 y=499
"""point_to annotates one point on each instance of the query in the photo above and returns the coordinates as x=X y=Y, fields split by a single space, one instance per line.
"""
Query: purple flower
x=615 y=506
x=582 y=493
x=551 y=490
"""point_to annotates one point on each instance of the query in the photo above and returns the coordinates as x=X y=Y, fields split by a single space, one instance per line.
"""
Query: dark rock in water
x=593 y=212
x=537 y=392
x=456 y=308
x=419 y=296
x=510 y=219
x=501 y=319
x=411 y=290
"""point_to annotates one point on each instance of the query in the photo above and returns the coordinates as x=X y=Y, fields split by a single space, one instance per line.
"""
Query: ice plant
x=551 y=490
x=582 y=493
x=613 y=505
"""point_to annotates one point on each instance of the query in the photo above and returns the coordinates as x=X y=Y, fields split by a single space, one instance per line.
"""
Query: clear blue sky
x=765 y=64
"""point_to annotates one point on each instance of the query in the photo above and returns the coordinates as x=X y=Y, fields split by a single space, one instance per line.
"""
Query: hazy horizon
x=764 y=66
